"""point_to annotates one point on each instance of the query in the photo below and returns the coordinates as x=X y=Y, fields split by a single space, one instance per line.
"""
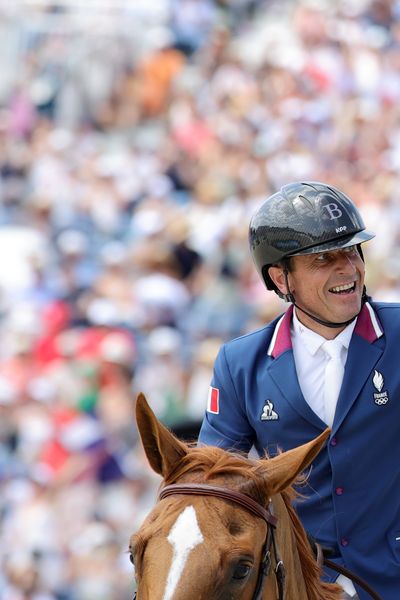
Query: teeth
x=342 y=288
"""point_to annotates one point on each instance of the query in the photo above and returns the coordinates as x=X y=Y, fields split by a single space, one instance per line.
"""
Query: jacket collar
x=367 y=327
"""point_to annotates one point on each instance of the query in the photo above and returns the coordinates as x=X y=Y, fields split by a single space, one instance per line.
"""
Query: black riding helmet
x=303 y=218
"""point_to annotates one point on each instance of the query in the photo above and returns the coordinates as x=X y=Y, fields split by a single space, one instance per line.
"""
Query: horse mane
x=209 y=463
x=316 y=588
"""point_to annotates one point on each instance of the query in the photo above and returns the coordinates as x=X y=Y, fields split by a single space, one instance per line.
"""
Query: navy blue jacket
x=353 y=492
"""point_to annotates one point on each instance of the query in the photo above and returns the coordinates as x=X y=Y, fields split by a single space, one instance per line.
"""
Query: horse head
x=205 y=545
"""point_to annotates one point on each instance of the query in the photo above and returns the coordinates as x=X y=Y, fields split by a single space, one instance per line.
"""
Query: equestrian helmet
x=303 y=218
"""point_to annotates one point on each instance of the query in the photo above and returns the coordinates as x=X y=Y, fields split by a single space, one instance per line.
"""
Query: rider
x=273 y=388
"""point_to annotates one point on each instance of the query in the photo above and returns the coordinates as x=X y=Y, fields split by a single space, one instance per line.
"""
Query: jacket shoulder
x=388 y=315
x=251 y=343
x=387 y=311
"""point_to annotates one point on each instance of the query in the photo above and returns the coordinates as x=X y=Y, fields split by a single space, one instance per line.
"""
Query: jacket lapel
x=283 y=371
x=361 y=359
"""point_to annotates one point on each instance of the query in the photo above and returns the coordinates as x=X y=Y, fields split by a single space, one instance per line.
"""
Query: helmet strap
x=289 y=297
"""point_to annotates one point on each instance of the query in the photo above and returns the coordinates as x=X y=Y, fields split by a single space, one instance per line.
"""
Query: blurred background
x=137 y=137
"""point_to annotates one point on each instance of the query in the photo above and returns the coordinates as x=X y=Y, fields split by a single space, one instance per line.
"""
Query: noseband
x=198 y=489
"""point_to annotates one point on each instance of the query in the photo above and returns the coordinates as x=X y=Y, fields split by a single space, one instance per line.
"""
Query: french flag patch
x=213 y=401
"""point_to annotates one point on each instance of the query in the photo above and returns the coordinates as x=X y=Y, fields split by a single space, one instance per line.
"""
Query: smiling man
x=330 y=360
x=324 y=286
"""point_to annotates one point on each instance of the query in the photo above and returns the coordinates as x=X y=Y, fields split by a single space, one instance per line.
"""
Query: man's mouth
x=347 y=288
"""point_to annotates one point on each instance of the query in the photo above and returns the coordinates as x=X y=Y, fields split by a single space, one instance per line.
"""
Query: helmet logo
x=333 y=210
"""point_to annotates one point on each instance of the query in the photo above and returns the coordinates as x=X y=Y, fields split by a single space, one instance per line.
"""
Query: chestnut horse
x=224 y=527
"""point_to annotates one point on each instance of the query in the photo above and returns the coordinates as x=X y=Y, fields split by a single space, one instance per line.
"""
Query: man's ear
x=277 y=275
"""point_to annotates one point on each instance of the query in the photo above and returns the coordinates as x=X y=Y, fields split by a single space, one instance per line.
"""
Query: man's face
x=329 y=285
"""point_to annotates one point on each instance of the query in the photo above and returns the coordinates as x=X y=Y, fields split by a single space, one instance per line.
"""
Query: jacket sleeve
x=225 y=422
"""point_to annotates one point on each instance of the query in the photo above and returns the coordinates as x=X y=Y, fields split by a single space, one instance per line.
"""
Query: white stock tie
x=334 y=370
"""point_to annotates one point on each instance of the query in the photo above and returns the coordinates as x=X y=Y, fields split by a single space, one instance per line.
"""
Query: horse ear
x=162 y=448
x=283 y=469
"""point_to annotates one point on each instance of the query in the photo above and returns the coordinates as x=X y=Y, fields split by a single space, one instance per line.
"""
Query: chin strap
x=289 y=297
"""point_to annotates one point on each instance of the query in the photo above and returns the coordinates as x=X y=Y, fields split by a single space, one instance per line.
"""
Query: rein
x=355 y=578
x=321 y=554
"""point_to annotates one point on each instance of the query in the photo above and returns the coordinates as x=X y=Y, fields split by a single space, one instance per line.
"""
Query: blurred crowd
x=135 y=143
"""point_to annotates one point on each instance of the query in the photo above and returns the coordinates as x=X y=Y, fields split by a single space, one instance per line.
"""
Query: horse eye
x=132 y=554
x=242 y=570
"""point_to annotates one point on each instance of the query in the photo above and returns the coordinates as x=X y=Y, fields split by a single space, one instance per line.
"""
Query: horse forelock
x=214 y=465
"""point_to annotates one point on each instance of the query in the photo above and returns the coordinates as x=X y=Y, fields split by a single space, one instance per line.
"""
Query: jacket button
x=333 y=441
x=339 y=491
x=344 y=542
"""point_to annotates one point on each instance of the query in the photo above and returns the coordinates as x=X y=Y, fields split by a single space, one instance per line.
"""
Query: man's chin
x=344 y=316
x=346 y=306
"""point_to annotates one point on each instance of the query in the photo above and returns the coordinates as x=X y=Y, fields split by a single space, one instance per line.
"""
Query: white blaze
x=183 y=537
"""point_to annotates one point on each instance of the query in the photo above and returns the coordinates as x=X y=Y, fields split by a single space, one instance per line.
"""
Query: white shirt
x=310 y=361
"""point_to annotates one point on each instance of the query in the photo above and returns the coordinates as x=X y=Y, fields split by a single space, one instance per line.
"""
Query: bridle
x=200 y=489
x=269 y=547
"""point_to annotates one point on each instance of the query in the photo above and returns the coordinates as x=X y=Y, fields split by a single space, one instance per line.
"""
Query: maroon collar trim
x=367 y=327
x=281 y=339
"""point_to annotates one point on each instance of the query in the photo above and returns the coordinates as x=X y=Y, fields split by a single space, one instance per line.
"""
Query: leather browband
x=199 y=489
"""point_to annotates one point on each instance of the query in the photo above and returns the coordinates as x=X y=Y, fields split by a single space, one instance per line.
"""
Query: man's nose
x=345 y=262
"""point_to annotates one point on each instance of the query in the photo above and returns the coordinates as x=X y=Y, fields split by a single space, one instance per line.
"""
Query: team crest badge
x=268 y=412
x=380 y=397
